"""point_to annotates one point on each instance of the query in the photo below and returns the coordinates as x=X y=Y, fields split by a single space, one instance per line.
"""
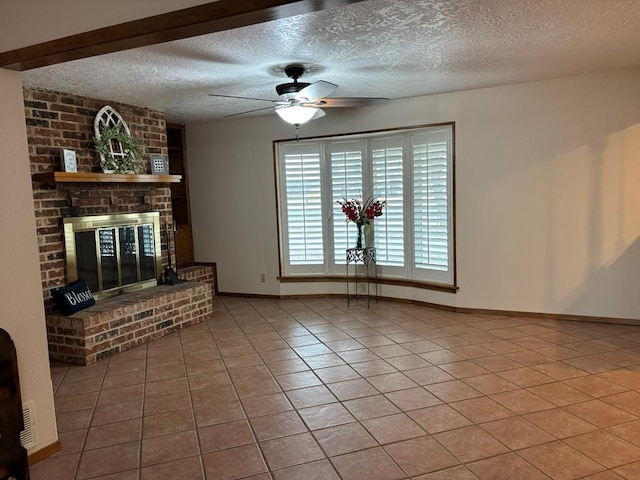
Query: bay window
x=410 y=169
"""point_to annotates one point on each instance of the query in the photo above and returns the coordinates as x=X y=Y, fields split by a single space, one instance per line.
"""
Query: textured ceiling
x=380 y=48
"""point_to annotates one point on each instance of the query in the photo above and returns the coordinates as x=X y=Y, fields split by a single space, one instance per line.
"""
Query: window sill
x=400 y=282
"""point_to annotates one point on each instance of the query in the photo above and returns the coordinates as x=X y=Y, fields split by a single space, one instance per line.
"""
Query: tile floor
x=312 y=389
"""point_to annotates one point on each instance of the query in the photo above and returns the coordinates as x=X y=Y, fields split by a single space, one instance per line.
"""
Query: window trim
x=382 y=279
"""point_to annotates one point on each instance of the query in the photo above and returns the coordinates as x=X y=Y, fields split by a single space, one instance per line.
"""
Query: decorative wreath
x=119 y=151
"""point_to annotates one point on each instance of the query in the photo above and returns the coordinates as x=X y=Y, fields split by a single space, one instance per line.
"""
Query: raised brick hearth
x=119 y=323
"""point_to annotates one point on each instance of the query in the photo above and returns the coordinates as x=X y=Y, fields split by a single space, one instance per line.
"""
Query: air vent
x=28 y=435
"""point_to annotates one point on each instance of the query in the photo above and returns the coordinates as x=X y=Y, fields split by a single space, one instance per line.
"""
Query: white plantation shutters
x=412 y=170
x=387 y=179
x=346 y=183
x=303 y=204
x=432 y=195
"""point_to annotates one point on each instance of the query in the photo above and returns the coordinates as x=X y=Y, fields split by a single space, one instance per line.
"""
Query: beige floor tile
x=560 y=423
x=628 y=431
x=278 y=425
x=517 y=433
x=428 y=375
x=630 y=472
x=324 y=361
x=258 y=388
x=289 y=451
x=497 y=363
x=225 y=435
x=266 y=405
x=413 y=398
x=393 y=428
x=522 y=402
x=469 y=444
x=600 y=413
x=190 y=468
x=323 y=416
x=339 y=373
x=238 y=462
x=371 y=407
x=287 y=366
x=391 y=382
x=439 y=357
x=351 y=389
x=420 y=455
x=72 y=403
x=343 y=439
x=169 y=447
x=605 y=448
x=374 y=367
x=464 y=369
x=438 y=418
x=372 y=464
x=108 y=460
x=208 y=396
x=559 y=394
x=452 y=391
x=481 y=409
x=113 y=434
x=321 y=470
x=560 y=461
x=508 y=466
x=294 y=381
x=117 y=412
x=165 y=423
x=77 y=420
x=455 y=473
x=490 y=383
x=311 y=396
x=526 y=377
x=595 y=386
x=218 y=413
x=628 y=401
x=61 y=467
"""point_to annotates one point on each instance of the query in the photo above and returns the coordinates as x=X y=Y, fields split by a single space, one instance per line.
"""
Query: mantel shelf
x=83 y=177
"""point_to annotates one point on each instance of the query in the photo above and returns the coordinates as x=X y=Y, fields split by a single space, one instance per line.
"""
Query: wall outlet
x=362 y=288
x=263 y=278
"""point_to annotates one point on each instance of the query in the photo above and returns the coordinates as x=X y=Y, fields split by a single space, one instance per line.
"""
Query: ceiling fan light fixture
x=296 y=114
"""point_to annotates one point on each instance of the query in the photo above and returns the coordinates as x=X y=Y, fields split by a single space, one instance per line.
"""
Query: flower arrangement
x=362 y=213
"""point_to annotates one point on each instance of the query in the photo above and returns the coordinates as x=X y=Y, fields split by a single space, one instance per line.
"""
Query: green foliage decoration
x=130 y=161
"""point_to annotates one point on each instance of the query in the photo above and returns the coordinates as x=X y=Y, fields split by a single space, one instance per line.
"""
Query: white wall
x=22 y=312
x=547 y=194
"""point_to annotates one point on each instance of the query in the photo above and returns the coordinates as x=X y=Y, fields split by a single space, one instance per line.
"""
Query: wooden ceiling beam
x=190 y=22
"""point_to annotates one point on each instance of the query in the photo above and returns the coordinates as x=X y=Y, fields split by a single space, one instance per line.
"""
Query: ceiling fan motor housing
x=295 y=72
x=293 y=87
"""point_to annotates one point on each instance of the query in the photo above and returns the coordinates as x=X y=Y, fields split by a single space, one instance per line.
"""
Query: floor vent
x=28 y=435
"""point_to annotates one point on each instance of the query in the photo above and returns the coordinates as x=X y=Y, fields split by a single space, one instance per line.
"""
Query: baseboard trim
x=449 y=308
x=45 y=452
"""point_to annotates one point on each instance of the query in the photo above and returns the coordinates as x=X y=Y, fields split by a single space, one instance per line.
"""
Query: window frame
x=329 y=270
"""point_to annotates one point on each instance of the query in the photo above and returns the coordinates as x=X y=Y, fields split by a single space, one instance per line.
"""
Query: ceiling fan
x=300 y=102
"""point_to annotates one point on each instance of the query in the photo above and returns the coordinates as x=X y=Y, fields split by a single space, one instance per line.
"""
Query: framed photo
x=69 y=161
x=159 y=165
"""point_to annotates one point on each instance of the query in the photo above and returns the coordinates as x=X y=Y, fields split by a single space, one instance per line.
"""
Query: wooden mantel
x=80 y=177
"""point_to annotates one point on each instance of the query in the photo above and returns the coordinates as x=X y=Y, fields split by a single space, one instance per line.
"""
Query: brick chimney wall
x=58 y=120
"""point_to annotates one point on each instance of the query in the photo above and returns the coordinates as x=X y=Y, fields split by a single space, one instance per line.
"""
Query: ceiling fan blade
x=353 y=102
x=248 y=111
x=243 y=98
x=319 y=114
x=315 y=91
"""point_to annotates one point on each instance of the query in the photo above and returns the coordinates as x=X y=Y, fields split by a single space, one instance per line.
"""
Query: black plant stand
x=367 y=257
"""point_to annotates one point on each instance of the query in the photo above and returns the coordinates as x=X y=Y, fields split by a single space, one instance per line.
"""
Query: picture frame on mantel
x=159 y=165
x=68 y=160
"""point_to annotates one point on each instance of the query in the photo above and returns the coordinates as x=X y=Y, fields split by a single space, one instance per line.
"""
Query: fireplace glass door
x=113 y=253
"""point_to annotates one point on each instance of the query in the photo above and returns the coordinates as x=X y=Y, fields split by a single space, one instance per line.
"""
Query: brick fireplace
x=59 y=120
